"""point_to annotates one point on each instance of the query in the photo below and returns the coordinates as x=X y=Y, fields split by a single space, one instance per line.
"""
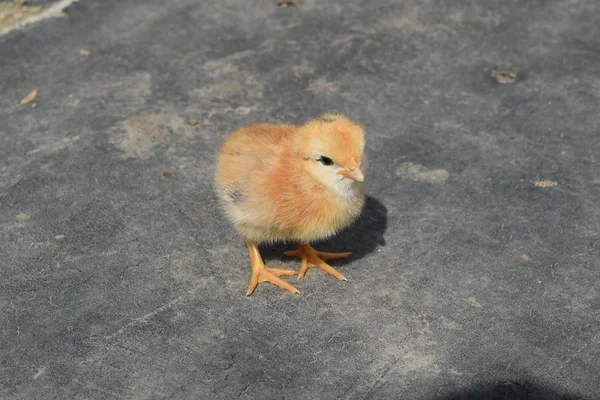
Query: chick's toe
x=313 y=258
x=261 y=273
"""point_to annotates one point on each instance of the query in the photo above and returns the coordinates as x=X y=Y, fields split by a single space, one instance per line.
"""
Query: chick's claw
x=271 y=275
x=313 y=258
x=261 y=273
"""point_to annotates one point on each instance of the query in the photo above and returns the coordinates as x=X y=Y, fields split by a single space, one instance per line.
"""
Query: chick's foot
x=313 y=258
x=260 y=273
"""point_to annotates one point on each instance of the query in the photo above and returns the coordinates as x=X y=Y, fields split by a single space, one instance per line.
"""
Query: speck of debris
x=545 y=183
x=59 y=237
x=192 y=121
x=525 y=257
x=23 y=217
x=34 y=105
x=288 y=3
x=452 y=325
x=40 y=372
x=29 y=98
x=84 y=53
x=473 y=302
x=167 y=175
x=504 y=76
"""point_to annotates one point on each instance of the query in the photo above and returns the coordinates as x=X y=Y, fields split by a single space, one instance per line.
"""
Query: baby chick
x=284 y=182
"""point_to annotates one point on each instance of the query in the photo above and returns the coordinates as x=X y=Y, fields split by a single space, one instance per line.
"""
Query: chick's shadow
x=507 y=390
x=360 y=238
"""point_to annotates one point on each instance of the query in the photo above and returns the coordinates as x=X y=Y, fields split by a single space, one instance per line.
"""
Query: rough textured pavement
x=475 y=271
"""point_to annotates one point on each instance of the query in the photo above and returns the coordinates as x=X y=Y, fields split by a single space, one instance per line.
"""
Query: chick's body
x=282 y=182
x=268 y=196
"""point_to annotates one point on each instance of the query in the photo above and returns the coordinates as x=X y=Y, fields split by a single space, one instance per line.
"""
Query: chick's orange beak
x=352 y=170
x=355 y=174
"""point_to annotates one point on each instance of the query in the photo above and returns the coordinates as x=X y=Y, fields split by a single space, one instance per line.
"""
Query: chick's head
x=331 y=147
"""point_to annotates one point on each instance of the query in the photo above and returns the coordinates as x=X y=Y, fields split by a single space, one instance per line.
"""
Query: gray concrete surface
x=475 y=273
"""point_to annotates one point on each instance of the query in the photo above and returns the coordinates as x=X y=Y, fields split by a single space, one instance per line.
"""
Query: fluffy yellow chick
x=300 y=183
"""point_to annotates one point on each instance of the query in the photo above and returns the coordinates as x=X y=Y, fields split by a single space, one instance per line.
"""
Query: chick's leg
x=313 y=258
x=260 y=273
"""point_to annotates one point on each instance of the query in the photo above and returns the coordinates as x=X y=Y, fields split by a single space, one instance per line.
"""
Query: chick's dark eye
x=325 y=160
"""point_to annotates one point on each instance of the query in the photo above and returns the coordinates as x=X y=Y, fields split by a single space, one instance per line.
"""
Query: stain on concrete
x=322 y=85
x=23 y=217
x=53 y=147
x=40 y=372
x=472 y=301
x=414 y=361
x=229 y=79
x=142 y=134
x=128 y=92
x=420 y=173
